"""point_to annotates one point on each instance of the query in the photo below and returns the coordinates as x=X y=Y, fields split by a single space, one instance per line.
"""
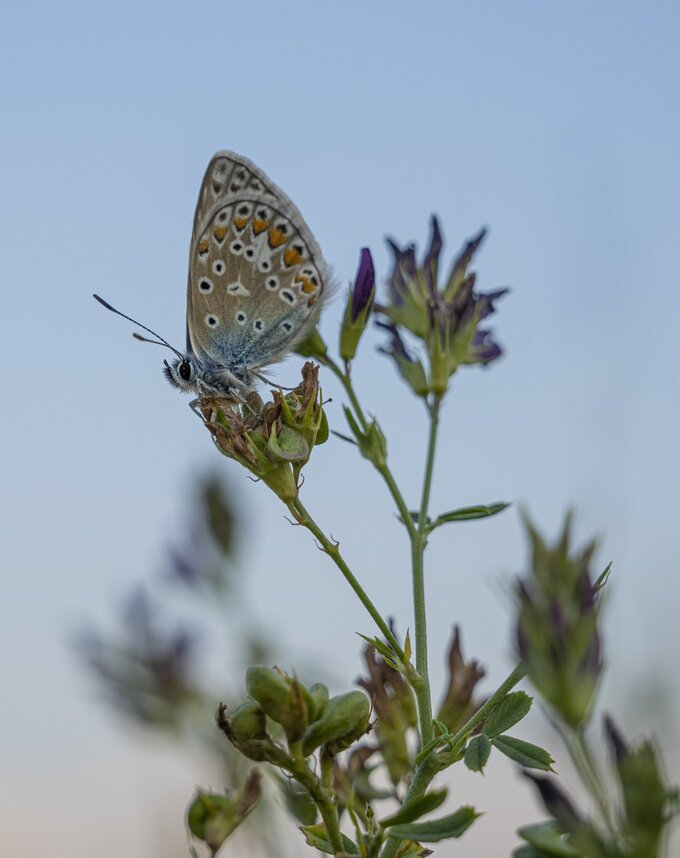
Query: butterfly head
x=187 y=374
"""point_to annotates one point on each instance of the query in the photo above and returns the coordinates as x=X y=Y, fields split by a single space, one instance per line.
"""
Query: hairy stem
x=331 y=548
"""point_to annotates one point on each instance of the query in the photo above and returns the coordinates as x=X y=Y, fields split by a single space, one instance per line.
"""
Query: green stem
x=418 y=539
x=345 y=381
x=302 y=516
x=581 y=756
x=418 y=544
x=322 y=798
x=435 y=763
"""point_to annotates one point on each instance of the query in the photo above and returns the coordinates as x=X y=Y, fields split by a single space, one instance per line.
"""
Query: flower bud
x=359 y=306
x=343 y=720
x=213 y=816
x=313 y=346
x=409 y=367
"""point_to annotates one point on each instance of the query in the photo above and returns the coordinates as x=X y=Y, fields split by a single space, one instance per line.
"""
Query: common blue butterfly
x=257 y=281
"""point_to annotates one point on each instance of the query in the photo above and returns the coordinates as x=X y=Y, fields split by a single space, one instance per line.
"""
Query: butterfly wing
x=257 y=278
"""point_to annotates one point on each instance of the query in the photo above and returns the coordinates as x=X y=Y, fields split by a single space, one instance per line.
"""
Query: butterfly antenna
x=159 y=341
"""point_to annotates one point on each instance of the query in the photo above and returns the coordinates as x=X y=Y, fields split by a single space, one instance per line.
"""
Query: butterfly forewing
x=257 y=278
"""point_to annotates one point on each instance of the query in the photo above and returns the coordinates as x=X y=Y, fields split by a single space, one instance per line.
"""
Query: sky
x=555 y=127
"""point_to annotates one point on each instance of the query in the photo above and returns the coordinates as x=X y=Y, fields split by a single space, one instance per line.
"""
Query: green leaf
x=527 y=755
x=316 y=836
x=468 y=513
x=384 y=649
x=603 y=578
x=452 y=825
x=412 y=810
x=409 y=849
x=549 y=840
x=477 y=752
x=512 y=708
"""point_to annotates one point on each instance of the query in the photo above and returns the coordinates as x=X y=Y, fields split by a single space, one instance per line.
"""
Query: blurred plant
x=154 y=669
x=559 y=640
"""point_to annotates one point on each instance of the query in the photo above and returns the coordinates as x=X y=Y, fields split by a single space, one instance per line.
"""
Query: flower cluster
x=557 y=627
x=446 y=317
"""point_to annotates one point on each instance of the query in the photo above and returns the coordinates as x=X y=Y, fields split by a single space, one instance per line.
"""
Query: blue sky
x=556 y=127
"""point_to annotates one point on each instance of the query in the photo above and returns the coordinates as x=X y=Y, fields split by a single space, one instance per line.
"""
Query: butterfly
x=257 y=282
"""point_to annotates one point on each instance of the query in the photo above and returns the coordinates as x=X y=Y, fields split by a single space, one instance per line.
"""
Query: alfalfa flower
x=445 y=316
x=557 y=633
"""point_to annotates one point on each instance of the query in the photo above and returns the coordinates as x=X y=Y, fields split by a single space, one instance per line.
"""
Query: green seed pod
x=248 y=722
x=319 y=696
x=343 y=720
x=282 y=697
x=269 y=688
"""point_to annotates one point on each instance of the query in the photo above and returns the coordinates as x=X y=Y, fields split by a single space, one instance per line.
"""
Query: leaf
x=468 y=513
x=407 y=647
x=603 y=578
x=409 y=849
x=412 y=810
x=549 y=840
x=512 y=708
x=527 y=755
x=384 y=649
x=477 y=752
x=452 y=825
x=316 y=836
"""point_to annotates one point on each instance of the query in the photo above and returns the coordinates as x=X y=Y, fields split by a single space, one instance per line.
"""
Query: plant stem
x=418 y=543
x=323 y=799
x=581 y=756
x=418 y=538
x=329 y=547
x=435 y=763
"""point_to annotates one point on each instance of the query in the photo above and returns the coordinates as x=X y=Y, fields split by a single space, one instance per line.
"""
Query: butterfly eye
x=184 y=370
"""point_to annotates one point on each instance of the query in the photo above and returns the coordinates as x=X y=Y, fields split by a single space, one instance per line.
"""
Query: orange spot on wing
x=312 y=301
x=305 y=283
x=259 y=225
x=240 y=223
x=203 y=246
x=276 y=238
x=292 y=257
x=219 y=232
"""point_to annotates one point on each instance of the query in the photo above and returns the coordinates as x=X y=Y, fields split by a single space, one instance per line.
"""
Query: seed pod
x=248 y=722
x=319 y=695
x=283 y=698
x=343 y=720
x=269 y=689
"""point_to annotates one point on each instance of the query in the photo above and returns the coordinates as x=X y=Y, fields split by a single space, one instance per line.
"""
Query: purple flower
x=445 y=317
x=364 y=284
